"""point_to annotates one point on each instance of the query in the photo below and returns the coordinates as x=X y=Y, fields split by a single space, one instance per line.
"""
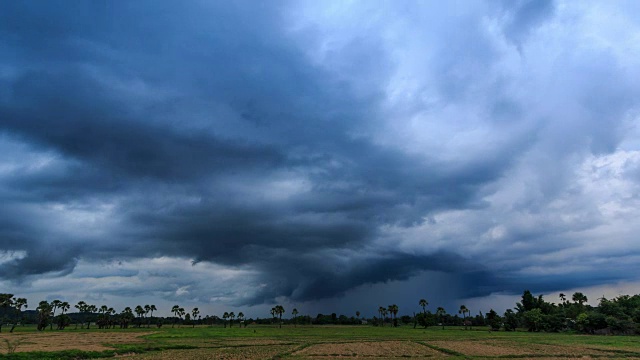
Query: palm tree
x=175 y=310
x=463 y=310
x=280 y=312
x=17 y=305
x=125 y=317
x=44 y=311
x=240 y=319
x=147 y=309
x=232 y=316
x=91 y=309
x=273 y=313
x=194 y=315
x=152 y=308
x=441 y=312
x=393 y=310
x=54 y=305
x=380 y=310
x=139 y=311
x=181 y=313
x=6 y=301
x=358 y=314
x=563 y=298
x=579 y=298
x=294 y=312
x=225 y=316
x=384 y=315
x=82 y=308
x=423 y=303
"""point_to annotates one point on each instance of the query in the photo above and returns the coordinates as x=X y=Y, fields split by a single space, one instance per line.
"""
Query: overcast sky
x=334 y=156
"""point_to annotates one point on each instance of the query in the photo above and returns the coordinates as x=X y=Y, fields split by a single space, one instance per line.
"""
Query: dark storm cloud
x=148 y=129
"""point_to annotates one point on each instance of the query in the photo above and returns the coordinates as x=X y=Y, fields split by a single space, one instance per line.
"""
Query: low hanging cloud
x=317 y=147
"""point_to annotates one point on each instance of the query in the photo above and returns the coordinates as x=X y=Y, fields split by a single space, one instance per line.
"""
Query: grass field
x=318 y=342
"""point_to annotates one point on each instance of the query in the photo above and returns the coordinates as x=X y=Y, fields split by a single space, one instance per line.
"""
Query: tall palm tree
x=393 y=310
x=441 y=312
x=225 y=316
x=294 y=312
x=140 y=312
x=175 y=310
x=463 y=310
x=147 y=309
x=44 y=311
x=152 y=308
x=423 y=303
x=563 y=298
x=384 y=315
x=126 y=316
x=273 y=313
x=17 y=305
x=194 y=315
x=91 y=309
x=232 y=316
x=579 y=298
x=280 y=312
x=82 y=309
x=181 y=313
x=240 y=319
x=54 y=305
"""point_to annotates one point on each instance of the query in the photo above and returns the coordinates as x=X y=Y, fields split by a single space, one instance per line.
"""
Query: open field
x=318 y=342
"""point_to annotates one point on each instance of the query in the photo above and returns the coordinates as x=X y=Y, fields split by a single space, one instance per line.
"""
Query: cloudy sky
x=334 y=156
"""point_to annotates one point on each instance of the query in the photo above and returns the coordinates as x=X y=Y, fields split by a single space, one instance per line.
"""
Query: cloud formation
x=313 y=148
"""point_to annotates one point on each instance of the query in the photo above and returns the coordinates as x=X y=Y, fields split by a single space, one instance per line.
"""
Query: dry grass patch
x=234 y=353
x=57 y=341
x=502 y=348
x=385 y=349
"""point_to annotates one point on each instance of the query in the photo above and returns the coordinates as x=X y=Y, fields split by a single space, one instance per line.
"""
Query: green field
x=317 y=342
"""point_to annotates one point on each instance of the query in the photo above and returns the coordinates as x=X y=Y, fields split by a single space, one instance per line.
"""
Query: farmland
x=317 y=342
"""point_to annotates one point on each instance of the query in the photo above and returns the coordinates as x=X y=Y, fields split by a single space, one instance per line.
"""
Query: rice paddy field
x=306 y=342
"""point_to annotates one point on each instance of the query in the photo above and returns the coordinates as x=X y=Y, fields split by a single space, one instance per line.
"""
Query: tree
x=463 y=310
x=441 y=312
x=125 y=317
x=393 y=310
x=140 y=312
x=495 y=321
x=176 y=312
x=6 y=301
x=152 y=308
x=225 y=316
x=294 y=312
x=563 y=298
x=182 y=313
x=17 y=305
x=240 y=319
x=423 y=303
x=91 y=309
x=232 y=316
x=147 y=310
x=279 y=311
x=64 y=320
x=55 y=304
x=579 y=298
x=44 y=312
x=194 y=315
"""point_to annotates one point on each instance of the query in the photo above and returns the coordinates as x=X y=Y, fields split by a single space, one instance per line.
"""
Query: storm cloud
x=309 y=149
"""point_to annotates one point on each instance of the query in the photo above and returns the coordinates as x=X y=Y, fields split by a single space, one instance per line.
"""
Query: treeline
x=620 y=315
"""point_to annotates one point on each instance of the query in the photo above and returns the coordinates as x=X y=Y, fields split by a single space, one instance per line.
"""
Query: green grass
x=222 y=339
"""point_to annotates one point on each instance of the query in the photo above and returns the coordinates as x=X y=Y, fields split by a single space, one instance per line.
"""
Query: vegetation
x=620 y=315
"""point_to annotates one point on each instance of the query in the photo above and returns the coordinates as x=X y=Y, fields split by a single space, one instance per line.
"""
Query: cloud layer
x=307 y=149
